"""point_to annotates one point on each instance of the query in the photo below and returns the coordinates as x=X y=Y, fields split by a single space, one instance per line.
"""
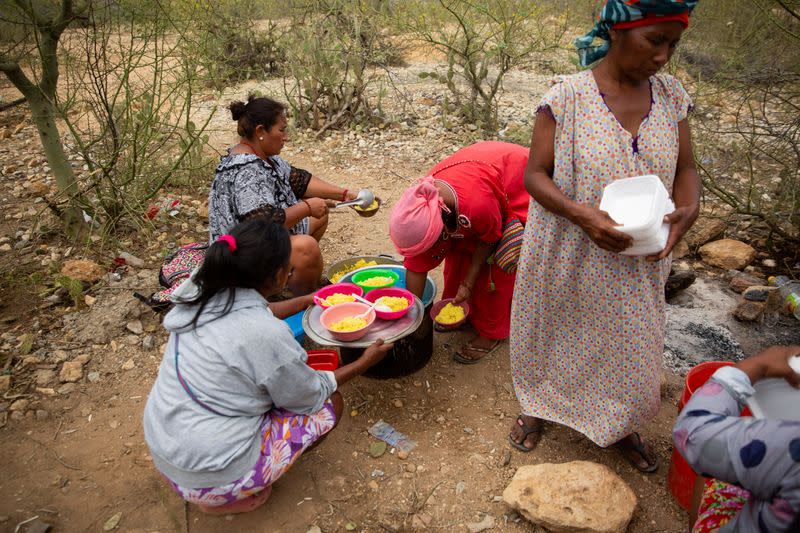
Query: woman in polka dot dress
x=755 y=463
x=587 y=326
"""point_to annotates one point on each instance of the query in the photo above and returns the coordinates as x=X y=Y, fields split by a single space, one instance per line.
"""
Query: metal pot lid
x=388 y=330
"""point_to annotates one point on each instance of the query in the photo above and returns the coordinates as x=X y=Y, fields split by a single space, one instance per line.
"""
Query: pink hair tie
x=230 y=240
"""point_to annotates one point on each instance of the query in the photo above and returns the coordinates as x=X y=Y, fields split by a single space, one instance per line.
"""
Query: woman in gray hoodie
x=234 y=403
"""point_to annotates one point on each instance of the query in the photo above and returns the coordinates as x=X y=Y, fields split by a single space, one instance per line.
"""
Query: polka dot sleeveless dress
x=587 y=325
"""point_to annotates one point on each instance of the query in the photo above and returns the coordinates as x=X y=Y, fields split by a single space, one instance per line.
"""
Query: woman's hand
x=464 y=293
x=351 y=195
x=602 y=229
x=772 y=363
x=375 y=353
x=681 y=220
x=317 y=206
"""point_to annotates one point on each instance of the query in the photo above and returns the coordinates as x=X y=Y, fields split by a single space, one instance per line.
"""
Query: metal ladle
x=363 y=200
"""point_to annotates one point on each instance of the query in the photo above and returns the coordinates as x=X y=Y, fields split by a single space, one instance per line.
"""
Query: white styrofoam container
x=639 y=205
x=656 y=244
x=775 y=399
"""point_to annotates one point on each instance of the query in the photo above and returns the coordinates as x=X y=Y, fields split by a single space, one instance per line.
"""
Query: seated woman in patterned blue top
x=252 y=181
x=752 y=465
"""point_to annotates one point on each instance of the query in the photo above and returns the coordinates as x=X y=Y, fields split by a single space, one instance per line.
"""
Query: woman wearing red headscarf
x=588 y=324
x=456 y=214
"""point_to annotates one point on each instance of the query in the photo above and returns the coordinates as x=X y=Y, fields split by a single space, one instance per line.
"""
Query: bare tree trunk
x=41 y=99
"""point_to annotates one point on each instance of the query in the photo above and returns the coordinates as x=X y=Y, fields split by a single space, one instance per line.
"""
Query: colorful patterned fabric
x=284 y=437
x=587 y=325
x=721 y=502
x=506 y=255
x=176 y=268
x=760 y=455
x=616 y=12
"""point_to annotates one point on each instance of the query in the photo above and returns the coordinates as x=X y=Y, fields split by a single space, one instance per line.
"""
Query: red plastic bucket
x=681 y=477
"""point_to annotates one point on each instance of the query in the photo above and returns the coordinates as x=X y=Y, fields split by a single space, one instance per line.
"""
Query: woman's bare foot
x=246 y=505
x=526 y=433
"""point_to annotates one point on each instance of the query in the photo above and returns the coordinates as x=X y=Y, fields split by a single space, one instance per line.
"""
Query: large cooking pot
x=410 y=353
x=381 y=259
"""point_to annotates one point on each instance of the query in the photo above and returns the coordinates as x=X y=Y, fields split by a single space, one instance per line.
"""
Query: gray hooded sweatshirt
x=241 y=364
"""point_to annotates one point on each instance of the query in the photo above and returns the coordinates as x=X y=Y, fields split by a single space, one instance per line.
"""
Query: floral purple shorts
x=284 y=437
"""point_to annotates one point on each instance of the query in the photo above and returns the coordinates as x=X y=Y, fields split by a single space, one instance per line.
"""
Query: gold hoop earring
x=261 y=138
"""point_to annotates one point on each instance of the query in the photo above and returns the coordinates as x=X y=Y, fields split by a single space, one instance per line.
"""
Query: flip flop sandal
x=469 y=361
x=639 y=447
x=538 y=428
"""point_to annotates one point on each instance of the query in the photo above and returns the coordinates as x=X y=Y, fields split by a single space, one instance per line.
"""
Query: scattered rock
x=41 y=414
x=373 y=485
x=132 y=260
x=83 y=358
x=135 y=327
x=420 y=521
x=148 y=342
x=769 y=263
x=46 y=391
x=71 y=372
x=314 y=529
x=5 y=383
x=460 y=487
x=37 y=188
x=112 y=522
x=704 y=230
x=93 y=377
x=202 y=210
x=579 y=496
x=758 y=293
x=59 y=356
x=679 y=281
x=67 y=388
x=740 y=282
x=44 y=377
x=128 y=365
x=5 y=247
x=19 y=405
x=83 y=270
x=89 y=300
x=402 y=455
x=483 y=525
x=398 y=403
x=377 y=448
x=748 y=311
x=728 y=254
x=680 y=250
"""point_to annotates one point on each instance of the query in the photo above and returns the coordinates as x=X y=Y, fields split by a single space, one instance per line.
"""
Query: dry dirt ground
x=76 y=457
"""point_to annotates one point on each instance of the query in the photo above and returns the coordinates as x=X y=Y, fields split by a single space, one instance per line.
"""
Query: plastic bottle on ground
x=790 y=293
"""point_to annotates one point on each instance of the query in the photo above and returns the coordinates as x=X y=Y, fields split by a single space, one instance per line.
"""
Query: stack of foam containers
x=639 y=205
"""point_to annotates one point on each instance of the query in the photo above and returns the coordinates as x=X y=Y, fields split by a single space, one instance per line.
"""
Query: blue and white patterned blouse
x=246 y=186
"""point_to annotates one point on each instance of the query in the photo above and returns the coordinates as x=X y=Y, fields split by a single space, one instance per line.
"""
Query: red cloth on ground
x=480 y=188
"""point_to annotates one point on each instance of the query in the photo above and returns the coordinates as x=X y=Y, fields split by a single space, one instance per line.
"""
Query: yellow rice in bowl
x=450 y=314
x=395 y=303
x=350 y=323
x=339 y=274
x=377 y=281
x=339 y=298
x=373 y=205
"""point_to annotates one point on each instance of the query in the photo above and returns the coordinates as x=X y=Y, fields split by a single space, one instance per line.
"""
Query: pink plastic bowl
x=438 y=307
x=394 y=292
x=340 y=288
x=338 y=312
